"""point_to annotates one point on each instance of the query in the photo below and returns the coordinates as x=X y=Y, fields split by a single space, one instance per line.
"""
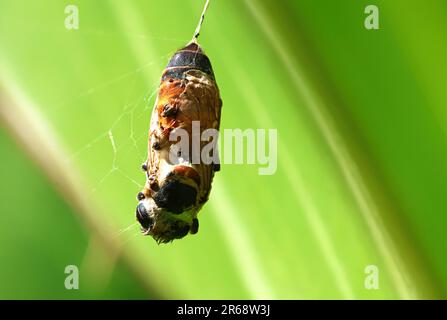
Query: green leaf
x=362 y=148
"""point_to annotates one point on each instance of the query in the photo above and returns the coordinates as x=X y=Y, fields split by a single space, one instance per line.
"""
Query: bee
x=176 y=190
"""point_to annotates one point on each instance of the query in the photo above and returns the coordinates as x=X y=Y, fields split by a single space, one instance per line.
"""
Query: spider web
x=126 y=136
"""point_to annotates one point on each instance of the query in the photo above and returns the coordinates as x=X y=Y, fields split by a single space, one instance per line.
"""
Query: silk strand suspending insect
x=176 y=190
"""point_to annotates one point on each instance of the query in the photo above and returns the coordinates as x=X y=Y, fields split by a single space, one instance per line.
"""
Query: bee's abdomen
x=189 y=58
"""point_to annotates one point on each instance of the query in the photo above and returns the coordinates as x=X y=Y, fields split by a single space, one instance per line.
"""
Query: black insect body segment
x=175 y=196
x=189 y=58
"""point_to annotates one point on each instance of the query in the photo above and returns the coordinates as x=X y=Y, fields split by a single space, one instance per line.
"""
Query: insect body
x=177 y=187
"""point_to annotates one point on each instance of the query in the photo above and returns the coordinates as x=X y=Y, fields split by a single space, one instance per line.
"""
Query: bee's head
x=169 y=213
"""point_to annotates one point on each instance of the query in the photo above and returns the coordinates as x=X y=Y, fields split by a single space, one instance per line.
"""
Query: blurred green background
x=362 y=150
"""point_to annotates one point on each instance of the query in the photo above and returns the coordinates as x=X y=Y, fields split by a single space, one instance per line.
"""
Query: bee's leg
x=195 y=226
x=216 y=166
x=158 y=142
x=203 y=199
x=169 y=111
x=153 y=183
x=141 y=196
x=161 y=138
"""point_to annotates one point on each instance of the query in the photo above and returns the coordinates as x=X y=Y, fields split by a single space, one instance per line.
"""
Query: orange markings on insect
x=187 y=172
